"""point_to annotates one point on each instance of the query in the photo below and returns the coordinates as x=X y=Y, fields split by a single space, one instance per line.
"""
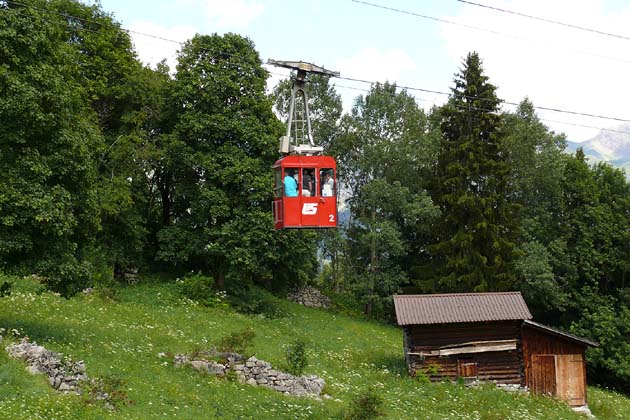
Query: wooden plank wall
x=500 y=366
x=543 y=374
x=424 y=337
x=535 y=342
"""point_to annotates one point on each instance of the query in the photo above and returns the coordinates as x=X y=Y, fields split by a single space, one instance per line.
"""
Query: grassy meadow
x=120 y=341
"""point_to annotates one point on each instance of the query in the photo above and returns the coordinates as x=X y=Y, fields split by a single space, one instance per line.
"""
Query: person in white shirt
x=328 y=186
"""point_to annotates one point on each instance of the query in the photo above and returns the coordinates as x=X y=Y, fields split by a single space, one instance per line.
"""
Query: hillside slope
x=607 y=146
x=120 y=341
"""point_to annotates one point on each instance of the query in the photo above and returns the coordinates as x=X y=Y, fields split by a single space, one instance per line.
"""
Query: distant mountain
x=609 y=146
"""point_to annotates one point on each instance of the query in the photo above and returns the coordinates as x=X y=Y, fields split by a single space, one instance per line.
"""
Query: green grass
x=122 y=339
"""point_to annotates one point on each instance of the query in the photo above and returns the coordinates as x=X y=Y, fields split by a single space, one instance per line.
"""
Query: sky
x=421 y=45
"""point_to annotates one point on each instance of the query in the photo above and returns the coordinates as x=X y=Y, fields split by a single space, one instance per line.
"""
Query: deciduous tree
x=48 y=136
x=382 y=157
x=226 y=136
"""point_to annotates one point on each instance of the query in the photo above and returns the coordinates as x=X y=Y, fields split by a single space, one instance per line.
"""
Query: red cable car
x=305 y=191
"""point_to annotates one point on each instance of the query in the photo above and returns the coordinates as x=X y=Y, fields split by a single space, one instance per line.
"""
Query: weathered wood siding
x=500 y=366
x=437 y=335
x=564 y=370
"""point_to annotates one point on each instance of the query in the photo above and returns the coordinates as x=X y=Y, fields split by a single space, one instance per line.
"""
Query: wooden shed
x=490 y=337
x=554 y=362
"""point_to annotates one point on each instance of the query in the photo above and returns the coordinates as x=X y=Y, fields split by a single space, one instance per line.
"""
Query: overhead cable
x=111 y=26
x=246 y=60
x=543 y=43
x=584 y=114
x=555 y=22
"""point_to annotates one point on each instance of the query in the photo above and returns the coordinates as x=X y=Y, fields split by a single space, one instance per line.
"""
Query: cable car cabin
x=305 y=192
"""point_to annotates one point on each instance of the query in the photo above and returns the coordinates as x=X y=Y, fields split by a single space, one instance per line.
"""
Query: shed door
x=466 y=368
x=544 y=374
x=570 y=379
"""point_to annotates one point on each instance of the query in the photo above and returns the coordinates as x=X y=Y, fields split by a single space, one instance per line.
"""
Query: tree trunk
x=221 y=280
x=368 y=309
x=368 y=306
x=166 y=202
x=335 y=273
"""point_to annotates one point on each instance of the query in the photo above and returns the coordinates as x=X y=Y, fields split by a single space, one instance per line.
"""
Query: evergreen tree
x=475 y=235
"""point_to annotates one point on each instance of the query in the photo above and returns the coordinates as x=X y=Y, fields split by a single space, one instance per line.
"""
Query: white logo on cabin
x=309 y=209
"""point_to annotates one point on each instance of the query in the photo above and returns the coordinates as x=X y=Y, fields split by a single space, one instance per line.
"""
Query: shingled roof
x=460 y=307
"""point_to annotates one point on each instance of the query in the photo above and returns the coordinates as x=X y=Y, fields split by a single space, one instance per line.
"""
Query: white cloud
x=555 y=66
x=233 y=13
x=375 y=65
x=151 y=49
x=276 y=75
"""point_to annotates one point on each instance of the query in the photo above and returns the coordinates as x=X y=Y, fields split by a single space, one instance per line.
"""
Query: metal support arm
x=300 y=118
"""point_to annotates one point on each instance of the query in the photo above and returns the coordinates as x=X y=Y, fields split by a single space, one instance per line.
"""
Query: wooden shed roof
x=460 y=307
x=549 y=330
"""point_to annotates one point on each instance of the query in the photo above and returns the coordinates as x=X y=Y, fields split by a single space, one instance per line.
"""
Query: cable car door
x=328 y=198
x=309 y=209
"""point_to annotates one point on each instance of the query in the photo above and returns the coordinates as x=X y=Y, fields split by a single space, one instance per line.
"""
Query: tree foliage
x=48 y=138
x=109 y=165
x=536 y=156
x=476 y=232
x=224 y=142
x=390 y=210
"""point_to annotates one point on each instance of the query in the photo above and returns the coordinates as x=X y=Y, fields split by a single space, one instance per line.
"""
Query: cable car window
x=308 y=182
x=290 y=183
x=327 y=182
x=278 y=185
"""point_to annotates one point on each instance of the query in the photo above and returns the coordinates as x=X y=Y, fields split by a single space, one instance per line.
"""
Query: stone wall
x=63 y=374
x=67 y=376
x=255 y=372
x=309 y=296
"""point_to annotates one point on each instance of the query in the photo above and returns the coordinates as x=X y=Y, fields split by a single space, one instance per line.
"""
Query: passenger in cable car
x=308 y=182
x=327 y=185
x=312 y=172
x=290 y=184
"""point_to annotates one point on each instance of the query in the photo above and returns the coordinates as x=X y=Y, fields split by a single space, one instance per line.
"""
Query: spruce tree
x=477 y=225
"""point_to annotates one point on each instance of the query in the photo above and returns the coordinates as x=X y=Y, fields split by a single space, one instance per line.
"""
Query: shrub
x=66 y=277
x=5 y=288
x=422 y=377
x=296 y=357
x=252 y=300
x=101 y=267
x=365 y=406
x=27 y=284
x=108 y=390
x=199 y=288
x=237 y=342
x=103 y=281
x=106 y=292
x=345 y=303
